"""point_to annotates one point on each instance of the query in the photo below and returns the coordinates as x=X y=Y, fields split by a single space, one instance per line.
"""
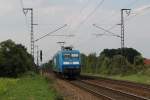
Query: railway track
x=106 y=93
x=90 y=89
x=134 y=88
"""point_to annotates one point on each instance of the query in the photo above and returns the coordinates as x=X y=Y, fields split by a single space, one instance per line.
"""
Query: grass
x=6 y=83
x=139 y=78
x=27 y=88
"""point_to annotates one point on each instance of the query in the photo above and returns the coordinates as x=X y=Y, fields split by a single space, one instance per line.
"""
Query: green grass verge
x=139 y=78
x=27 y=88
x=134 y=78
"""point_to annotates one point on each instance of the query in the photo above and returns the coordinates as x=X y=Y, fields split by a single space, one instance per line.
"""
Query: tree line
x=113 y=62
x=14 y=59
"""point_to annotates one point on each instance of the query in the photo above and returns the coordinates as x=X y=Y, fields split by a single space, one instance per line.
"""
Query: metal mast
x=25 y=10
x=122 y=26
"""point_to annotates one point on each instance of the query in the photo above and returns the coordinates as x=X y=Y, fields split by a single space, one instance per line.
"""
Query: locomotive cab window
x=75 y=55
x=66 y=56
x=69 y=55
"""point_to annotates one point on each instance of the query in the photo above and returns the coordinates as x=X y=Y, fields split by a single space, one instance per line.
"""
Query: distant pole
x=41 y=56
x=37 y=56
x=25 y=10
x=122 y=28
x=62 y=44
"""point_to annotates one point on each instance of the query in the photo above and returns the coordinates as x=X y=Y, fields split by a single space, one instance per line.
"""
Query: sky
x=79 y=15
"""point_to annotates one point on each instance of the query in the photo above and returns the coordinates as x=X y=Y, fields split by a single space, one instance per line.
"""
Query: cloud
x=141 y=9
x=50 y=14
x=52 y=10
x=6 y=6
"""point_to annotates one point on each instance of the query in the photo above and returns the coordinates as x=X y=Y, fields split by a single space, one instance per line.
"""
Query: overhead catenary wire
x=113 y=34
x=105 y=30
x=70 y=22
x=80 y=15
x=85 y=6
x=114 y=14
x=114 y=26
x=129 y=18
x=89 y=15
x=81 y=10
x=126 y=19
x=51 y=32
x=92 y=13
x=136 y=13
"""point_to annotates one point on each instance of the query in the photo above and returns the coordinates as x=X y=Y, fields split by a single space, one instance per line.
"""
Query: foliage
x=139 y=78
x=6 y=83
x=46 y=66
x=129 y=53
x=88 y=63
x=28 y=88
x=14 y=59
x=112 y=62
x=146 y=70
x=83 y=61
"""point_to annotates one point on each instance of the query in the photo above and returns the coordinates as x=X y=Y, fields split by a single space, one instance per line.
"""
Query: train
x=67 y=62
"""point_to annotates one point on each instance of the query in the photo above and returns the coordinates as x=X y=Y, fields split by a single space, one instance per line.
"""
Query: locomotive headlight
x=76 y=62
x=65 y=63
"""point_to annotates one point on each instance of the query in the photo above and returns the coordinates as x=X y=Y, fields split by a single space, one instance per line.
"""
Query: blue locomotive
x=67 y=62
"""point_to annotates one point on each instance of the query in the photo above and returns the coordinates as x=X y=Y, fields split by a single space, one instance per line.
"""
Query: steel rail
x=92 y=91
x=118 y=91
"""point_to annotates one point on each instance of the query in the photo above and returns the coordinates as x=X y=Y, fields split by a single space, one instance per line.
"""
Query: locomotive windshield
x=71 y=55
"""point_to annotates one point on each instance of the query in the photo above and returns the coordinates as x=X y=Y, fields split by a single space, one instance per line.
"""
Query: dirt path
x=71 y=92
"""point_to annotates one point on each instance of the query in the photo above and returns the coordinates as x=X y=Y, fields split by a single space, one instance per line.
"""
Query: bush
x=112 y=62
x=147 y=70
x=14 y=59
x=129 y=53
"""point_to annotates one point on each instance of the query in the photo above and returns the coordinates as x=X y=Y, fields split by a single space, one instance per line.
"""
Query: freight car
x=67 y=62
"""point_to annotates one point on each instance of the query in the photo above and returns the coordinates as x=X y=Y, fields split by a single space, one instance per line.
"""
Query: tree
x=83 y=62
x=14 y=59
x=112 y=62
x=47 y=65
x=129 y=53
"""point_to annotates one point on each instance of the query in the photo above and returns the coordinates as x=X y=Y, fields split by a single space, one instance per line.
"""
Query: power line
x=114 y=26
x=84 y=6
x=90 y=14
x=129 y=5
x=138 y=13
x=81 y=10
x=95 y=9
x=111 y=33
x=134 y=2
x=50 y=33
x=122 y=27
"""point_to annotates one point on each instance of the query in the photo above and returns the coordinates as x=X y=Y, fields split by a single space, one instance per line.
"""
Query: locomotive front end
x=71 y=63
